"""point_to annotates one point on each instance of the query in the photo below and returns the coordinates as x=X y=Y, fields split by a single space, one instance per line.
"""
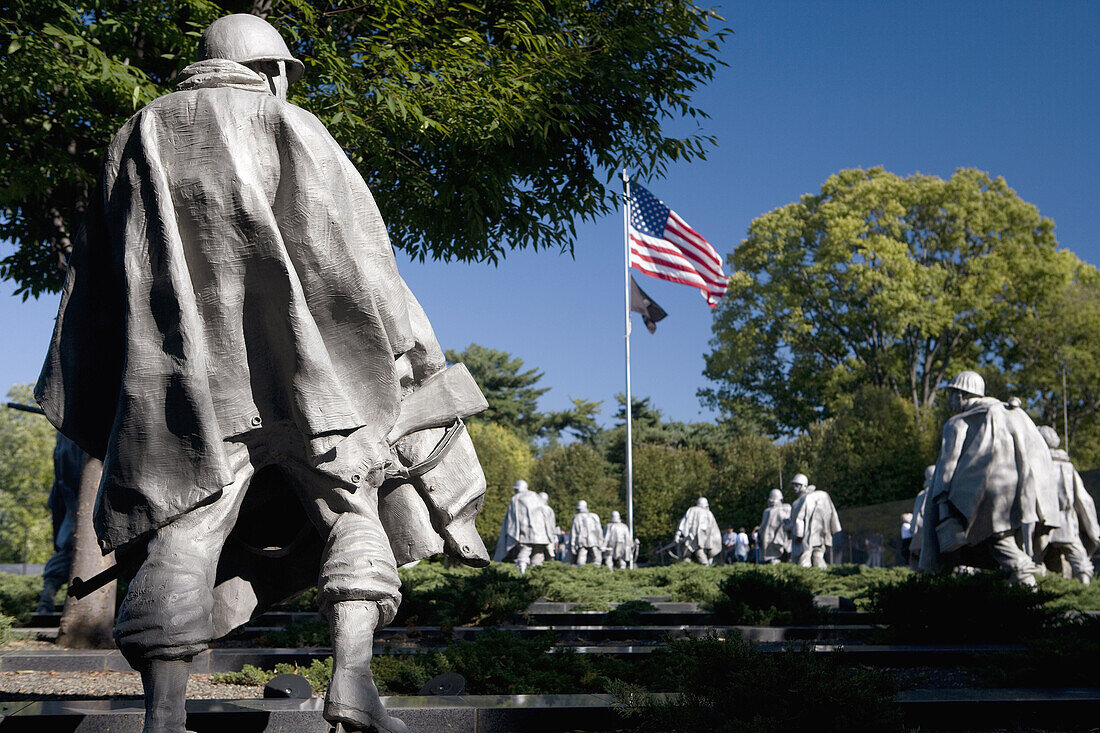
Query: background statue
x=698 y=535
x=1078 y=537
x=814 y=521
x=993 y=481
x=775 y=543
x=618 y=545
x=917 y=524
x=269 y=401
x=550 y=521
x=585 y=535
x=523 y=534
x=68 y=462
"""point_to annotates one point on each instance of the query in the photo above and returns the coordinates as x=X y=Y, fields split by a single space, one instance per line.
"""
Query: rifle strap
x=433 y=459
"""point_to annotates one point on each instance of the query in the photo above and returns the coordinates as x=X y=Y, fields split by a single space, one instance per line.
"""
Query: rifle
x=25 y=408
x=441 y=401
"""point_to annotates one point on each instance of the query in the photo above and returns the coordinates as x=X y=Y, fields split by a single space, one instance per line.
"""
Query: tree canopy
x=26 y=475
x=480 y=126
x=513 y=396
x=878 y=280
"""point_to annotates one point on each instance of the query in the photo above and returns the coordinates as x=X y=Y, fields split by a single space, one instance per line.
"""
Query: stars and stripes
x=662 y=245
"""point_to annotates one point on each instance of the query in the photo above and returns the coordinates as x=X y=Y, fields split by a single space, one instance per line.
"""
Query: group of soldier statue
x=529 y=534
x=801 y=534
x=1002 y=494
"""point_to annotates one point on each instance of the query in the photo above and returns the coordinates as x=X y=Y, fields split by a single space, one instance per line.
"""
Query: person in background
x=741 y=546
x=754 y=539
x=906 y=536
x=729 y=539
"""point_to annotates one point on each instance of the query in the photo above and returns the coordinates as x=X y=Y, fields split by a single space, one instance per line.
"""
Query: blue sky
x=810 y=88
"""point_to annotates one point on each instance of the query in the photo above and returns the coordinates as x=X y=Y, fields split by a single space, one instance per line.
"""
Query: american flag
x=664 y=246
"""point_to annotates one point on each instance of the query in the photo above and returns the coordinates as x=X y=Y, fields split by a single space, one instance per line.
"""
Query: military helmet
x=702 y=502
x=246 y=38
x=969 y=382
x=519 y=486
x=615 y=517
x=775 y=496
x=1050 y=435
x=582 y=506
x=800 y=479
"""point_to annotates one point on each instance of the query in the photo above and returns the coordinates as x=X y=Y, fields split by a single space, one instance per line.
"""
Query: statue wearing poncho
x=993 y=496
x=233 y=333
x=697 y=534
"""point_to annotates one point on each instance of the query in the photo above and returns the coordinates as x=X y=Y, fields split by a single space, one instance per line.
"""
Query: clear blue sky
x=811 y=88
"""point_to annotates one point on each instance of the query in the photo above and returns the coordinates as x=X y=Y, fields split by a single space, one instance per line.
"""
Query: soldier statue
x=268 y=399
x=813 y=523
x=523 y=534
x=618 y=545
x=1074 y=542
x=585 y=535
x=697 y=535
x=774 y=541
x=993 y=499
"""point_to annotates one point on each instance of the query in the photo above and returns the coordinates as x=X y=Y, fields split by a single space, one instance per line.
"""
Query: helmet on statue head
x=247 y=39
x=969 y=382
x=1050 y=435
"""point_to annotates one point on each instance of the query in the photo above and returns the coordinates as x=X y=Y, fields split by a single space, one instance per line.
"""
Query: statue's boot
x=352 y=702
x=165 y=684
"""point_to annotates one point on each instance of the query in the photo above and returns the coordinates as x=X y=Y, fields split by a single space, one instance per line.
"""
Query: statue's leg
x=358 y=591
x=597 y=556
x=1013 y=560
x=805 y=556
x=582 y=555
x=817 y=558
x=165 y=618
x=164 y=682
x=352 y=698
x=1079 y=561
x=523 y=558
x=538 y=555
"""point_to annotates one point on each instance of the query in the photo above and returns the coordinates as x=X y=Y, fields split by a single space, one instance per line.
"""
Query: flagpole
x=629 y=407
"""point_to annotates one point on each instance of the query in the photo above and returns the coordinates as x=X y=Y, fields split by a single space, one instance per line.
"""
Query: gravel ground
x=84 y=685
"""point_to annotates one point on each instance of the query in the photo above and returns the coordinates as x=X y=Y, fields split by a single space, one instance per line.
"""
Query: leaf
x=14 y=46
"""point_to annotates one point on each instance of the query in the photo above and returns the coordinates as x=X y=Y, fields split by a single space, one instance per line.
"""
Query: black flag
x=643 y=305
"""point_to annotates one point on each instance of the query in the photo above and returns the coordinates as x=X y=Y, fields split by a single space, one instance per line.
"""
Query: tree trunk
x=88 y=623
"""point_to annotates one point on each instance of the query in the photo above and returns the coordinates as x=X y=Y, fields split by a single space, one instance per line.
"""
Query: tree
x=480 y=127
x=1061 y=334
x=667 y=481
x=874 y=450
x=569 y=473
x=877 y=280
x=513 y=396
x=505 y=459
x=26 y=475
x=746 y=468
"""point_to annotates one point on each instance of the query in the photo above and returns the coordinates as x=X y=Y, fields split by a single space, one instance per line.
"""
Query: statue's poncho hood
x=233 y=272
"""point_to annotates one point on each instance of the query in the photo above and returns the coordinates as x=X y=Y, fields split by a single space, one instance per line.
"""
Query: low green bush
x=629 y=613
x=19 y=595
x=1063 y=656
x=436 y=596
x=318 y=673
x=766 y=598
x=5 y=629
x=305 y=634
x=950 y=607
x=725 y=685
